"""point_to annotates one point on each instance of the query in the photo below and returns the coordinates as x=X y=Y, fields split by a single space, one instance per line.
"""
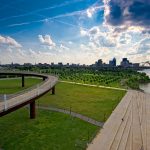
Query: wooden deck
x=128 y=127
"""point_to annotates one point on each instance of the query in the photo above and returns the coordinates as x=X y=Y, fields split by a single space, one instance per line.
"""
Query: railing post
x=22 y=80
x=53 y=90
x=5 y=102
x=32 y=110
x=38 y=91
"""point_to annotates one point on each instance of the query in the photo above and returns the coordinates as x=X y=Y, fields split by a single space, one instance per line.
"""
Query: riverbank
x=145 y=86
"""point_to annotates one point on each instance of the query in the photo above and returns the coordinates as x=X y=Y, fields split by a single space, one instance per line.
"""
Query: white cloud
x=104 y=42
x=83 y=32
x=90 y=12
x=62 y=47
x=125 y=38
x=46 y=40
x=8 y=41
x=98 y=36
x=70 y=42
x=144 y=46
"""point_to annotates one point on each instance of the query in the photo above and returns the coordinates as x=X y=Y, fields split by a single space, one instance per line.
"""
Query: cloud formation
x=144 y=46
x=128 y=13
x=46 y=40
x=8 y=41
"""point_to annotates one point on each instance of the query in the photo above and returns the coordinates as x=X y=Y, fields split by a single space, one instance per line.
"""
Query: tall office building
x=112 y=63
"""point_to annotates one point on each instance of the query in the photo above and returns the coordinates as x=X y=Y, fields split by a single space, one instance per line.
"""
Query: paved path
x=28 y=94
x=100 y=86
x=82 y=117
x=128 y=127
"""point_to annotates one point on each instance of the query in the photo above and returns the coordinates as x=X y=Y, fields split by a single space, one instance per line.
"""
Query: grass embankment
x=10 y=86
x=49 y=131
x=97 y=103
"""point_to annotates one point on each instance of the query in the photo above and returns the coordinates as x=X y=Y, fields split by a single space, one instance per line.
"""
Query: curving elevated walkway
x=128 y=127
x=28 y=96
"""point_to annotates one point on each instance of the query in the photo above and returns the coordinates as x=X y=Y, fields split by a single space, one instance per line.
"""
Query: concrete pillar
x=53 y=90
x=23 y=81
x=32 y=110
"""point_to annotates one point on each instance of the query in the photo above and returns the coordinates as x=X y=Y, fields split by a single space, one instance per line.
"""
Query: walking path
x=82 y=117
x=100 y=86
x=128 y=127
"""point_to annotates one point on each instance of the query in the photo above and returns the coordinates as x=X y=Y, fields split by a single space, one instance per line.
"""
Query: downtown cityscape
x=125 y=63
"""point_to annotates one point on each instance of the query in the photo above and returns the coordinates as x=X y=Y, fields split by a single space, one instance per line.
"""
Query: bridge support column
x=32 y=110
x=22 y=80
x=53 y=90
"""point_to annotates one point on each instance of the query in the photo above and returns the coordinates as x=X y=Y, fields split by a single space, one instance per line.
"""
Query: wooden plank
x=125 y=134
x=137 y=137
x=103 y=141
x=131 y=134
x=143 y=121
x=117 y=140
x=148 y=121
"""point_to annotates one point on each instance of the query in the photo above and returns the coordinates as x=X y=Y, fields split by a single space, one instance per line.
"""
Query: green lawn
x=49 y=131
x=97 y=103
x=10 y=86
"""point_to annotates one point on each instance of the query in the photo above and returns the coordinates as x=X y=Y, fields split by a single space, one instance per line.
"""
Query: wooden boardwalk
x=128 y=127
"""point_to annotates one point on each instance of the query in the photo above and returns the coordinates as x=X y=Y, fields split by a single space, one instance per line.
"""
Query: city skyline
x=125 y=63
x=74 y=31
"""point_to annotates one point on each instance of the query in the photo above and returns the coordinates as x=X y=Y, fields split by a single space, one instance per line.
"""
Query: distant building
x=52 y=64
x=27 y=64
x=136 y=65
x=125 y=63
x=99 y=63
x=112 y=63
x=60 y=64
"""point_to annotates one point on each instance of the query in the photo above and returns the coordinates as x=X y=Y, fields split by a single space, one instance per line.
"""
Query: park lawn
x=116 y=84
x=49 y=131
x=94 y=102
x=10 y=86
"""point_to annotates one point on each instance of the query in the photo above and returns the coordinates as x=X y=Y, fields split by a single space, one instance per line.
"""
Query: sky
x=74 y=31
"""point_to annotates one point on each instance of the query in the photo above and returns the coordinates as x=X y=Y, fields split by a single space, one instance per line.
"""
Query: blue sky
x=74 y=31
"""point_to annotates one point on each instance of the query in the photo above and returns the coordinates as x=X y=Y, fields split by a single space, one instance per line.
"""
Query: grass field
x=97 y=103
x=10 y=86
x=49 y=131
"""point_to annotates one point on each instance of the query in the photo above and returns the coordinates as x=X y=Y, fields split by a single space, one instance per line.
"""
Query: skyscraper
x=112 y=63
